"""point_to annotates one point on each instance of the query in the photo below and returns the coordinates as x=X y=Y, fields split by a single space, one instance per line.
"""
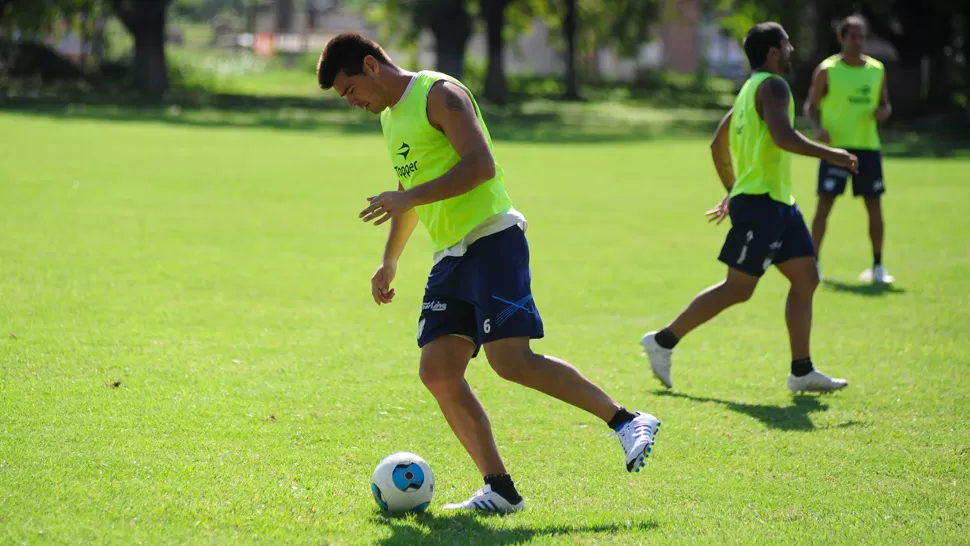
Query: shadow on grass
x=795 y=417
x=537 y=121
x=633 y=118
x=464 y=528
x=871 y=289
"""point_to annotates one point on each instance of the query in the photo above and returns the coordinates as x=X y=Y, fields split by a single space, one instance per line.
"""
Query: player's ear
x=371 y=66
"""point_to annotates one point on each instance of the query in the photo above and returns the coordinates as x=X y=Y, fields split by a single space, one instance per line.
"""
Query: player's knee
x=511 y=363
x=806 y=285
x=439 y=377
x=740 y=292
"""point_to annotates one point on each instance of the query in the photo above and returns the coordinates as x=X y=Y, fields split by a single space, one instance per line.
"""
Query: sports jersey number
x=487 y=327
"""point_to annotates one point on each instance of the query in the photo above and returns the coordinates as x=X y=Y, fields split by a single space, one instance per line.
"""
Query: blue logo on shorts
x=512 y=308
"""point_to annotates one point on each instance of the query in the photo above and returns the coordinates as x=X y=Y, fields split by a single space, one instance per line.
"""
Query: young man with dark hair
x=767 y=227
x=847 y=99
x=478 y=293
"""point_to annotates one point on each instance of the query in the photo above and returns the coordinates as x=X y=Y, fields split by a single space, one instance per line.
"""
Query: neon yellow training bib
x=848 y=109
x=421 y=153
x=761 y=166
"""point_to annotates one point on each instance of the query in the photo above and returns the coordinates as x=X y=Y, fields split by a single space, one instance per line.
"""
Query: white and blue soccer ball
x=403 y=482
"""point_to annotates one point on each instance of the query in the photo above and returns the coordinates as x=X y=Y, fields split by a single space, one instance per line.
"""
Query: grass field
x=189 y=352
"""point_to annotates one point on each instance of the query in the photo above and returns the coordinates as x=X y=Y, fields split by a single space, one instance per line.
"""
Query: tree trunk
x=965 y=31
x=145 y=21
x=496 y=86
x=451 y=27
x=569 y=34
x=284 y=16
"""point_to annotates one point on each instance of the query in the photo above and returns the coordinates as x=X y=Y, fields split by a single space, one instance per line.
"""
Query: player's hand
x=380 y=283
x=821 y=135
x=720 y=212
x=385 y=206
x=882 y=113
x=843 y=158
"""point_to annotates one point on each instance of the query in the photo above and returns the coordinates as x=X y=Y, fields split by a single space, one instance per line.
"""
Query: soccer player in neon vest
x=766 y=226
x=478 y=292
x=850 y=90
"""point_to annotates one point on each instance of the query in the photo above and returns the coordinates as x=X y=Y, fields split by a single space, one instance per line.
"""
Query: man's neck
x=853 y=60
x=397 y=83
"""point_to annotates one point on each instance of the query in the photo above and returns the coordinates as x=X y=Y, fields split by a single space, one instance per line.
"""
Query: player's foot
x=659 y=358
x=636 y=437
x=815 y=381
x=877 y=274
x=486 y=500
x=818 y=266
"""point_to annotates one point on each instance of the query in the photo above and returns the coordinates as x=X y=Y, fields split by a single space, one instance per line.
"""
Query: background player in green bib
x=478 y=292
x=850 y=91
x=766 y=226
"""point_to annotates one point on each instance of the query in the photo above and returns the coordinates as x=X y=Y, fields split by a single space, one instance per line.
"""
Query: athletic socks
x=876 y=258
x=621 y=418
x=666 y=339
x=802 y=367
x=502 y=484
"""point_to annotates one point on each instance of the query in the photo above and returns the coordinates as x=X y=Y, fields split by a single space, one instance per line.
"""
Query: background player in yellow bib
x=757 y=138
x=479 y=289
x=847 y=99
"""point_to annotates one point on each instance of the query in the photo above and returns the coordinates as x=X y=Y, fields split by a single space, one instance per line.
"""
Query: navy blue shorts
x=764 y=232
x=832 y=179
x=485 y=295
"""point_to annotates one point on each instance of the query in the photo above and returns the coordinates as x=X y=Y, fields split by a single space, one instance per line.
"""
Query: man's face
x=786 y=51
x=363 y=90
x=854 y=41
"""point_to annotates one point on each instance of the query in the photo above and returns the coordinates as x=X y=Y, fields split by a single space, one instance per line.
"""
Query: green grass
x=188 y=353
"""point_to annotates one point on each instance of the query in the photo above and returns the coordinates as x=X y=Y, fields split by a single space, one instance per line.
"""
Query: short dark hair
x=852 y=21
x=759 y=40
x=345 y=53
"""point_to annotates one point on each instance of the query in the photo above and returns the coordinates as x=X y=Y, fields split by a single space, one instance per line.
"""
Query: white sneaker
x=486 y=500
x=815 y=381
x=659 y=358
x=877 y=274
x=636 y=437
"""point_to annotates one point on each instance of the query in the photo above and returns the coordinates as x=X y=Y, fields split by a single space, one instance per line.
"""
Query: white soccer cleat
x=877 y=274
x=815 y=381
x=660 y=358
x=636 y=437
x=486 y=500
x=818 y=266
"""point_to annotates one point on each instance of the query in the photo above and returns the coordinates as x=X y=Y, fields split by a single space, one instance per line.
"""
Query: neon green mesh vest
x=761 y=166
x=848 y=108
x=420 y=153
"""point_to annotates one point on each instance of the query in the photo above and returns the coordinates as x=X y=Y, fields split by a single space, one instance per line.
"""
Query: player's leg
x=513 y=359
x=869 y=185
x=832 y=181
x=747 y=251
x=821 y=220
x=508 y=319
x=443 y=364
x=796 y=261
x=448 y=337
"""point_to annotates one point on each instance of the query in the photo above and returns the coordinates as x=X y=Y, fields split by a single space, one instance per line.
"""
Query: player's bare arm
x=402 y=226
x=721 y=155
x=817 y=91
x=450 y=110
x=885 y=108
x=772 y=101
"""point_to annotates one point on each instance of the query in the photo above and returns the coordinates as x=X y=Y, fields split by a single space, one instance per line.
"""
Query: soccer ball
x=402 y=482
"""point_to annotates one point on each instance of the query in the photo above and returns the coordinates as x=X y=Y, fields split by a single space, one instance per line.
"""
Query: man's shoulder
x=872 y=62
